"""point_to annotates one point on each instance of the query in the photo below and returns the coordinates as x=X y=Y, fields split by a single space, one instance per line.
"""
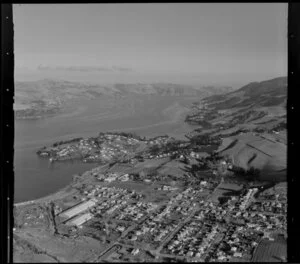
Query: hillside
x=46 y=97
x=260 y=151
x=251 y=124
x=267 y=93
x=256 y=106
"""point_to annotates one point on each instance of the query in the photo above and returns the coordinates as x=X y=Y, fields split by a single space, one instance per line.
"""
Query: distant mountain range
x=46 y=97
x=169 y=89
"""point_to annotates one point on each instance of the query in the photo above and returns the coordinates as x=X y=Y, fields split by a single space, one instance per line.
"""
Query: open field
x=152 y=163
x=262 y=152
x=225 y=189
x=174 y=168
x=270 y=251
x=64 y=250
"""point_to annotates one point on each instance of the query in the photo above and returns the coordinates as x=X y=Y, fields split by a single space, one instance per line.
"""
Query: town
x=149 y=133
x=107 y=147
x=161 y=199
x=139 y=216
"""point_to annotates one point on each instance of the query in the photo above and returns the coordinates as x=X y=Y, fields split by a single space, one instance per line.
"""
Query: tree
x=154 y=150
x=185 y=160
x=252 y=174
x=173 y=156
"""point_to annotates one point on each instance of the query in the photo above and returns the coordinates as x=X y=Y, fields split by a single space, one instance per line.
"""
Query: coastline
x=51 y=195
x=42 y=199
x=31 y=135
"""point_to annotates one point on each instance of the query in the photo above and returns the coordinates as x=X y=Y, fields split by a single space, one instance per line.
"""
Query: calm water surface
x=146 y=115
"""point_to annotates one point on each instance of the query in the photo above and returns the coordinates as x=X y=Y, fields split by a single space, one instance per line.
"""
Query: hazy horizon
x=197 y=43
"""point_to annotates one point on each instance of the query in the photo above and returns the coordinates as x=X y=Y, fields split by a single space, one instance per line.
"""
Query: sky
x=201 y=43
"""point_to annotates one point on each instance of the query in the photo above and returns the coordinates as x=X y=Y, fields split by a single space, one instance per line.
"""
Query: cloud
x=84 y=68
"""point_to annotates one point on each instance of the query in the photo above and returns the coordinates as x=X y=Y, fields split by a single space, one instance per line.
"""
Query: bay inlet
x=146 y=115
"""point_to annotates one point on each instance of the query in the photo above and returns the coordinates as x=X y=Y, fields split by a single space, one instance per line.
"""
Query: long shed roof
x=77 y=209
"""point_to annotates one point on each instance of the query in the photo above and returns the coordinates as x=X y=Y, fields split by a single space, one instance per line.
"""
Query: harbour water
x=146 y=115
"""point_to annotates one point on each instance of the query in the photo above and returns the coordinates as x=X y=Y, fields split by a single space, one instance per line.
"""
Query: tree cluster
x=251 y=174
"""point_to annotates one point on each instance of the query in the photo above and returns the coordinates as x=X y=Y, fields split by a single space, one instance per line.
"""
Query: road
x=181 y=224
x=156 y=252
x=124 y=234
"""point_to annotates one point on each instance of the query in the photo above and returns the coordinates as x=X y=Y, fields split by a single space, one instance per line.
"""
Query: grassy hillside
x=256 y=106
x=251 y=122
x=266 y=93
x=258 y=151
x=47 y=97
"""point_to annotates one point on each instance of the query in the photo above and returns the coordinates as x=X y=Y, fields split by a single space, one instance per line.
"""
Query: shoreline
x=39 y=200
x=27 y=143
x=49 y=196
